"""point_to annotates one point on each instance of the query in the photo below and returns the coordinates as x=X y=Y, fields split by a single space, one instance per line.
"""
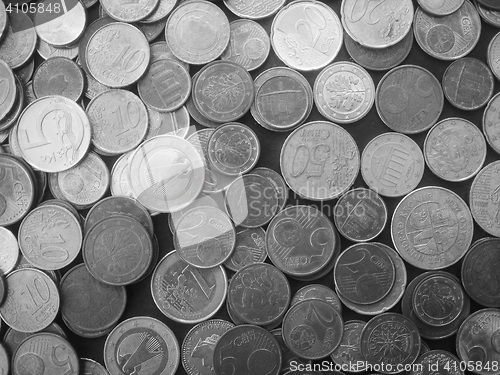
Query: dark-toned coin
x=223 y=91
x=440 y=8
x=312 y=329
x=468 y=83
x=251 y=201
x=117 y=250
x=185 y=293
x=478 y=341
x=301 y=241
x=317 y=291
x=348 y=353
x=391 y=339
x=259 y=294
x=287 y=356
x=198 y=346
x=89 y=304
x=25 y=72
x=277 y=181
x=250 y=248
x=141 y=343
x=19 y=43
x=45 y=353
x=364 y=273
x=360 y=215
x=409 y=99
x=91 y=367
x=3 y=289
x=195 y=114
x=437 y=361
x=492 y=4
x=488 y=15
x=247 y=350
x=480 y=275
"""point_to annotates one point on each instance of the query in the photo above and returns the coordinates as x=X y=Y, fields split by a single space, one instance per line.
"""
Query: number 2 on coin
x=311 y=25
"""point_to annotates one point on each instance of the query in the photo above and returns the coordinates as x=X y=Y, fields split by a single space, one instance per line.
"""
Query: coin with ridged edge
x=446 y=363
x=440 y=8
x=250 y=248
x=91 y=367
x=349 y=350
x=317 y=291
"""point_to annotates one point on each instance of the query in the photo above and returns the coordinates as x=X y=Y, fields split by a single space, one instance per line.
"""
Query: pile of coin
x=134 y=111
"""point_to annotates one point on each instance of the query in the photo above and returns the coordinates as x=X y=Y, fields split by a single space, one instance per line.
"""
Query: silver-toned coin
x=152 y=30
x=379 y=25
x=46 y=51
x=250 y=248
x=4 y=360
x=45 y=353
x=173 y=123
x=11 y=118
x=25 y=72
x=484 y=198
x=129 y=11
x=4 y=21
x=392 y=164
x=53 y=134
x=455 y=149
x=142 y=342
x=173 y=277
x=199 y=344
x=432 y=228
x=9 y=92
x=349 y=350
x=443 y=361
x=491 y=125
x=201 y=201
x=440 y=8
x=459 y=83
x=19 y=43
x=409 y=99
x=161 y=12
x=490 y=16
x=9 y=251
x=82 y=43
x=91 y=367
x=29 y=95
x=493 y=55
x=13 y=339
x=306 y=50
x=319 y=161
x=287 y=356
x=197 y=32
x=283 y=99
x=117 y=54
x=166 y=173
x=55 y=275
x=448 y=37
x=277 y=181
x=253 y=10
x=161 y=50
x=93 y=87
x=249 y=44
x=317 y=291
x=492 y=4
x=120 y=176
x=32 y=302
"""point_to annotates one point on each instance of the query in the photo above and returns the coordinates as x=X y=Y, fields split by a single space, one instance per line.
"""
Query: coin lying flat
x=161 y=12
x=455 y=149
x=344 y=92
x=82 y=43
x=491 y=127
x=10 y=120
x=319 y=161
x=120 y=176
x=247 y=350
x=9 y=251
x=468 y=83
x=479 y=272
x=488 y=15
x=4 y=360
x=409 y=99
x=9 y=90
x=493 y=54
x=199 y=344
x=484 y=198
x=173 y=276
x=13 y=339
x=440 y=8
x=161 y=50
x=4 y=21
x=174 y=123
x=141 y=342
x=46 y=51
x=33 y=300
x=287 y=356
x=392 y=164
x=360 y=215
x=301 y=50
x=278 y=183
x=197 y=32
x=253 y=10
x=477 y=340
x=19 y=42
x=490 y=4
x=43 y=353
x=376 y=26
x=349 y=350
x=91 y=367
x=446 y=363
x=129 y=11
x=432 y=228
x=317 y=291
x=250 y=248
x=448 y=37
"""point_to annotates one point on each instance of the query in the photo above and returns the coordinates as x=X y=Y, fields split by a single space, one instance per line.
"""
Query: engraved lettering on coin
x=485 y=198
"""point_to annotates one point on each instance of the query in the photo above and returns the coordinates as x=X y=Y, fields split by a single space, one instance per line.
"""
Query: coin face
x=377 y=25
x=223 y=91
x=204 y=237
x=349 y=350
x=479 y=275
x=120 y=176
x=247 y=349
x=161 y=50
x=117 y=250
x=250 y=248
x=493 y=54
x=287 y=356
x=392 y=164
x=255 y=11
x=249 y=44
x=142 y=342
x=9 y=251
x=319 y=161
x=53 y=134
x=390 y=330
x=300 y=241
x=32 y=302
x=409 y=99
x=89 y=304
x=414 y=223
x=277 y=181
x=259 y=294
x=344 y=92
x=119 y=121
x=197 y=32
x=166 y=173
x=11 y=118
x=13 y=339
x=306 y=50
x=38 y=353
x=199 y=344
x=488 y=15
x=50 y=237
x=360 y=215
x=283 y=99
x=449 y=37
x=312 y=329
x=9 y=91
x=490 y=4
x=46 y=51
x=3 y=23
x=83 y=41
x=129 y=11
x=173 y=276
x=455 y=149
x=440 y=8
x=174 y=123
x=484 y=198
x=447 y=362
x=317 y=291
x=19 y=41
x=117 y=54
x=459 y=83
x=161 y=12
x=491 y=127
x=91 y=367
x=477 y=339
